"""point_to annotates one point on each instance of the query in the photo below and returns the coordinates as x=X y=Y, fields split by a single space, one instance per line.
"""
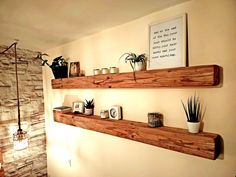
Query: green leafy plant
x=89 y=104
x=133 y=58
x=57 y=62
x=193 y=109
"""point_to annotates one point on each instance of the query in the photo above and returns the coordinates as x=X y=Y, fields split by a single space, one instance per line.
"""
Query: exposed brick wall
x=32 y=161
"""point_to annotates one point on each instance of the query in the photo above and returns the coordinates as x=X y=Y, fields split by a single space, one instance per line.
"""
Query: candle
x=105 y=71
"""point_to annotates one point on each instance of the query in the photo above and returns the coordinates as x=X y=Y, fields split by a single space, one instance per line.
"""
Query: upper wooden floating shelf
x=1 y=160
x=206 y=145
x=194 y=76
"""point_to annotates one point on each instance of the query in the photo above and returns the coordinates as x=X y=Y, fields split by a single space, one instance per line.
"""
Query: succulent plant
x=89 y=104
x=193 y=109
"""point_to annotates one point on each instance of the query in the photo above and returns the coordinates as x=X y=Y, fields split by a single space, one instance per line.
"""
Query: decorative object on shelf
x=155 y=119
x=78 y=107
x=96 y=72
x=59 y=65
x=20 y=138
x=104 y=114
x=167 y=43
x=74 y=69
x=105 y=71
x=89 y=106
x=137 y=62
x=63 y=109
x=193 y=113
x=115 y=112
x=114 y=70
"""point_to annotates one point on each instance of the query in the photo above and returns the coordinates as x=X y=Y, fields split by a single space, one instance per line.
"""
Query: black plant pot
x=60 y=72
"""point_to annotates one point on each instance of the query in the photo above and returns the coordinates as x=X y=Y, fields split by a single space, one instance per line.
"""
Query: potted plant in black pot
x=59 y=66
x=193 y=114
x=89 y=106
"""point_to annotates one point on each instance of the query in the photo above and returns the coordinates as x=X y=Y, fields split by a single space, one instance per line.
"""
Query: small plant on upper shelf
x=89 y=106
x=193 y=113
x=59 y=65
x=137 y=62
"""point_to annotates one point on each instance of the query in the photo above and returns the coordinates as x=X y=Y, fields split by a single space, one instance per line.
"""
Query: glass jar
x=104 y=114
x=114 y=70
x=96 y=72
x=155 y=119
x=105 y=71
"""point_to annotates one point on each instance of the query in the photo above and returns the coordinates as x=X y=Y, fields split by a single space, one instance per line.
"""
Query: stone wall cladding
x=32 y=161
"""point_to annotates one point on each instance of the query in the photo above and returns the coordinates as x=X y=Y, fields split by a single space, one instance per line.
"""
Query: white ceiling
x=44 y=24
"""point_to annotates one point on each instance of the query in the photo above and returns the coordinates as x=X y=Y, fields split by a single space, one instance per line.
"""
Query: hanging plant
x=59 y=65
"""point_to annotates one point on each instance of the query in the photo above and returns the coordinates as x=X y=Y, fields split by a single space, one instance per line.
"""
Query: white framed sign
x=167 y=43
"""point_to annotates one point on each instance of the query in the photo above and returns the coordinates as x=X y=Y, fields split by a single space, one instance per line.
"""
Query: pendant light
x=20 y=138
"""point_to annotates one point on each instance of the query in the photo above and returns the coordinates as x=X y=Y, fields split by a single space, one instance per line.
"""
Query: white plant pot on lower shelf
x=193 y=127
x=88 y=111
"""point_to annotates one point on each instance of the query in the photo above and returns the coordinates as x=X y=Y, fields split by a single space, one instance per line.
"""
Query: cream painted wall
x=212 y=32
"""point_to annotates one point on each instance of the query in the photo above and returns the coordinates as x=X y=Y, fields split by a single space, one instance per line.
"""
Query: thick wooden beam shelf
x=1 y=160
x=194 y=76
x=206 y=145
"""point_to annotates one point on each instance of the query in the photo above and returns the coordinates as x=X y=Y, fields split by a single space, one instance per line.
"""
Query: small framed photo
x=74 y=69
x=167 y=43
x=78 y=107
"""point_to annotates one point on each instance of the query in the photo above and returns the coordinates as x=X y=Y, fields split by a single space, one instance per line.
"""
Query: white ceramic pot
x=88 y=111
x=139 y=66
x=193 y=127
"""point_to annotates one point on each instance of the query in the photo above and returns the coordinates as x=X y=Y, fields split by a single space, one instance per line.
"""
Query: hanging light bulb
x=20 y=138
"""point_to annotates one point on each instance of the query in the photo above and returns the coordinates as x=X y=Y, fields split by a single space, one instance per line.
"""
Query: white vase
x=139 y=66
x=193 y=127
x=88 y=111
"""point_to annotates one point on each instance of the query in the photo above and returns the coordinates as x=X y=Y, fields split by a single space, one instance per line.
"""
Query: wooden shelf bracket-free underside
x=203 y=144
x=194 y=76
x=1 y=160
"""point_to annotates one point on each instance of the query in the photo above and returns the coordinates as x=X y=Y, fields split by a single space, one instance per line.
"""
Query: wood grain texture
x=194 y=76
x=206 y=145
x=1 y=173
x=1 y=161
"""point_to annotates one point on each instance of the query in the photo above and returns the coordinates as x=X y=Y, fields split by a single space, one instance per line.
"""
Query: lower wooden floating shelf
x=206 y=145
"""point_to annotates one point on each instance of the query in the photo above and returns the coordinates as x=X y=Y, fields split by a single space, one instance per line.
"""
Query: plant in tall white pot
x=193 y=113
x=89 y=106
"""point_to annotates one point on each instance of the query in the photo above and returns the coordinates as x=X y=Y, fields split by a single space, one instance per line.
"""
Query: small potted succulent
x=193 y=114
x=89 y=106
x=137 y=62
x=59 y=66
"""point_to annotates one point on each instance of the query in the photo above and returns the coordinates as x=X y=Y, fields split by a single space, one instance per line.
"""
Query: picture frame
x=167 y=43
x=74 y=69
x=78 y=107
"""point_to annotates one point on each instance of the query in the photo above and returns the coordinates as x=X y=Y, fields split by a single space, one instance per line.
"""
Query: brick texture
x=32 y=161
